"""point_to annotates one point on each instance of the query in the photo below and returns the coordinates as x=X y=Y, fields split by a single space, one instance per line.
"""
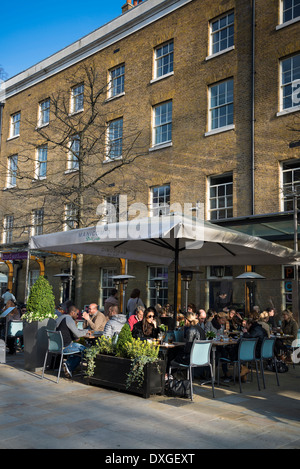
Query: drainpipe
x=1 y=114
x=253 y=110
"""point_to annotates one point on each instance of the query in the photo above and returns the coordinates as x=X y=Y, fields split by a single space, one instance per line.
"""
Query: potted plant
x=40 y=316
x=130 y=365
x=210 y=335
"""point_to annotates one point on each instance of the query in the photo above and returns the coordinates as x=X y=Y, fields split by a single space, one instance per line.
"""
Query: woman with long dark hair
x=147 y=328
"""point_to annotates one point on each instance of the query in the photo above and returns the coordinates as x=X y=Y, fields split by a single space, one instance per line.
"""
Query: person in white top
x=8 y=296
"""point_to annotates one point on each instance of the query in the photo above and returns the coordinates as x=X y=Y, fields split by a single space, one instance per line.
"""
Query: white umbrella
x=183 y=239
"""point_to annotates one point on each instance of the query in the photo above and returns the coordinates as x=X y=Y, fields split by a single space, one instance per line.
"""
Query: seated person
x=217 y=324
x=70 y=333
x=234 y=319
x=94 y=319
x=264 y=322
x=289 y=326
x=14 y=315
x=115 y=322
x=136 y=317
x=193 y=332
x=147 y=328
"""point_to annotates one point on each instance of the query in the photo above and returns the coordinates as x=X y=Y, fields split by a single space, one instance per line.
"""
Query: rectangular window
x=38 y=221
x=77 y=98
x=41 y=170
x=73 y=159
x=290 y=82
x=12 y=171
x=162 y=124
x=222 y=33
x=290 y=10
x=8 y=226
x=44 y=112
x=115 y=139
x=107 y=283
x=290 y=183
x=117 y=81
x=220 y=197
x=154 y=296
x=221 y=105
x=71 y=217
x=164 y=59
x=15 y=125
x=160 y=200
x=112 y=209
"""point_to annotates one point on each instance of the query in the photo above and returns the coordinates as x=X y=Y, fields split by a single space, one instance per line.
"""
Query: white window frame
x=293 y=184
x=116 y=81
x=41 y=162
x=15 y=123
x=114 y=140
x=77 y=98
x=160 y=123
x=12 y=171
x=44 y=113
x=37 y=222
x=169 y=55
x=293 y=19
x=8 y=226
x=70 y=216
x=225 y=185
x=105 y=273
x=226 y=27
x=159 y=271
x=73 y=159
x=33 y=275
x=164 y=195
x=295 y=83
x=220 y=104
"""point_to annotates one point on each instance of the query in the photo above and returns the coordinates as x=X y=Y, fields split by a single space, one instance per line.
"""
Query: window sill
x=220 y=130
x=287 y=23
x=71 y=114
x=111 y=160
x=167 y=75
x=212 y=56
x=37 y=179
x=7 y=188
x=71 y=170
x=12 y=138
x=290 y=110
x=111 y=98
x=38 y=127
x=161 y=146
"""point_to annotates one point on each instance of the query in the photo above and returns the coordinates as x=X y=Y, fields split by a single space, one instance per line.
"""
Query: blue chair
x=14 y=331
x=246 y=354
x=55 y=347
x=199 y=357
x=267 y=353
x=179 y=336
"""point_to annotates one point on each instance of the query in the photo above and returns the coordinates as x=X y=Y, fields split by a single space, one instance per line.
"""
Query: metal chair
x=199 y=357
x=267 y=353
x=246 y=354
x=13 y=332
x=55 y=347
x=179 y=336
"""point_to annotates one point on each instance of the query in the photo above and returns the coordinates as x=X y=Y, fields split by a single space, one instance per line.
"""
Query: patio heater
x=251 y=277
x=122 y=280
x=186 y=277
x=158 y=283
x=65 y=280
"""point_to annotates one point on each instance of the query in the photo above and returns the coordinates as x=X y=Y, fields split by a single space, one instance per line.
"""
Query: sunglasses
x=150 y=316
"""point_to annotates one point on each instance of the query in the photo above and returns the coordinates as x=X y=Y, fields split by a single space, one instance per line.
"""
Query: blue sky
x=31 y=31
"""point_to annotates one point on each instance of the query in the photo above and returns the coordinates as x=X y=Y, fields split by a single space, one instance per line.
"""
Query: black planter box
x=112 y=372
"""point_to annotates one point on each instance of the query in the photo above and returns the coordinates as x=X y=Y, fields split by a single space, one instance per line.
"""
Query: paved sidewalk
x=40 y=414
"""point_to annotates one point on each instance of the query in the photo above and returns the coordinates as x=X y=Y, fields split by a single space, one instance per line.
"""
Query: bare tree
x=76 y=160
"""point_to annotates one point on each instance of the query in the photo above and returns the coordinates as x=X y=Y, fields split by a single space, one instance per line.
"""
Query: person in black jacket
x=147 y=327
x=255 y=331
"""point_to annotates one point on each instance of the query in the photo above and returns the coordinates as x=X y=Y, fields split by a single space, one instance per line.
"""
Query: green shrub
x=124 y=337
x=41 y=301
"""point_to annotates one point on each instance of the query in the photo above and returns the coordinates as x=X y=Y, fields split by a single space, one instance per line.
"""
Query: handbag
x=178 y=388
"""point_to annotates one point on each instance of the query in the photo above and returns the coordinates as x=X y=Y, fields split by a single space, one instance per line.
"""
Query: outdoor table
x=222 y=343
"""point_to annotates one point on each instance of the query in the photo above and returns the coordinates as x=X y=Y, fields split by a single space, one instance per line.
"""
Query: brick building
x=195 y=103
